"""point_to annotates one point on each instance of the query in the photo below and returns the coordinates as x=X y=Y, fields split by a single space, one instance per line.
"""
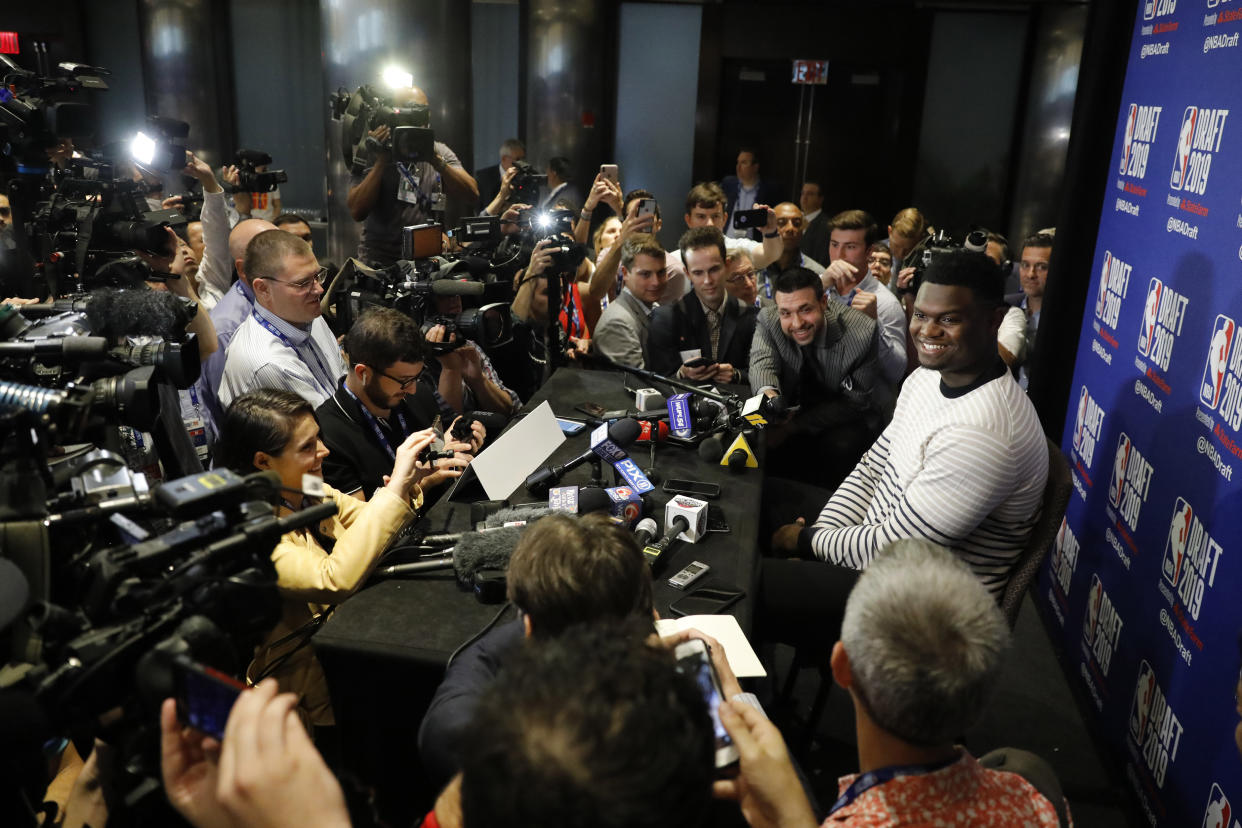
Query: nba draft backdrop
x=1145 y=581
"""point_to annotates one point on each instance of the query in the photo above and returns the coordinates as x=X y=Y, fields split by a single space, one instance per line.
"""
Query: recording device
x=695 y=488
x=694 y=661
x=700 y=362
x=250 y=179
x=706 y=601
x=934 y=244
x=461 y=430
x=646 y=207
x=689 y=575
x=570 y=427
x=410 y=139
x=687 y=513
x=656 y=552
x=748 y=219
x=204 y=696
x=431 y=455
x=620 y=435
x=526 y=183
x=646 y=531
x=610 y=172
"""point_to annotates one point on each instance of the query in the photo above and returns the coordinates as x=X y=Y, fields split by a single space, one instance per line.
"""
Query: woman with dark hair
x=273 y=430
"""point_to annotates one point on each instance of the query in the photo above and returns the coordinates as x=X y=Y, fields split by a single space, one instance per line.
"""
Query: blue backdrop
x=1143 y=582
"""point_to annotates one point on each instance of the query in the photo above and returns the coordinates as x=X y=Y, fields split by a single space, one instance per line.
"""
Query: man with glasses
x=284 y=343
x=741 y=281
x=848 y=280
x=1033 y=273
x=379 y=404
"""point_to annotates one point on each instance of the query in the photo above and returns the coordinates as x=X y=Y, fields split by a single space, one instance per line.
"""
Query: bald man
x=389 y=195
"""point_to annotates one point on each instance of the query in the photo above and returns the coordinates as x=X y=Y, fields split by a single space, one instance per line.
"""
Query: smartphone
x=570 y=427
x=700 y=362
x=693 y=660
x=204 y=696
x=716 y=520
x=694 y=488
x=706 y=601
x=750 y=218
x=591 y=409
x=647 y=207
x=610 y=172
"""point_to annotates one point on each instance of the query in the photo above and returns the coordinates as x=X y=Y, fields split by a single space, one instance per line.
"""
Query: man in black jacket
x=706 y=336
x=380 y=403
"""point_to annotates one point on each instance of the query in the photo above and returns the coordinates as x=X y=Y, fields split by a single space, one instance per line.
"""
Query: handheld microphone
x=620 y=434
x=430 y=563
x=737 y=460
x=646 y=531
x=652 y=432
x=655 y=552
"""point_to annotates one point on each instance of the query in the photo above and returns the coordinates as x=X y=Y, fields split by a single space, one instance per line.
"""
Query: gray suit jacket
x=846 y=355
x=621 y=333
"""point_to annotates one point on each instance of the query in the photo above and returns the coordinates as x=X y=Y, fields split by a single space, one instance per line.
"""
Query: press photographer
x=392 y=188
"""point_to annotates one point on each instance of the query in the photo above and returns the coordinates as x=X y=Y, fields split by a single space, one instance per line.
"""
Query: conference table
x=385 y=648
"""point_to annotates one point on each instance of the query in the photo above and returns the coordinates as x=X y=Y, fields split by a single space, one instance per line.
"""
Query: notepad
x=725 y=629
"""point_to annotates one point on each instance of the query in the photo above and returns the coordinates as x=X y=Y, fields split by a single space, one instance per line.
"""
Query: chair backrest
x=1056 y=498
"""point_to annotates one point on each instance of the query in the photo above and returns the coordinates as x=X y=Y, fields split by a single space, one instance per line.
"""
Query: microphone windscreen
x=525 y=513
x=592 y=499
x=737 y=459
x=624 y=432
x=119 y=313
x=711 y=450
x=484 y=550
x=456 y=287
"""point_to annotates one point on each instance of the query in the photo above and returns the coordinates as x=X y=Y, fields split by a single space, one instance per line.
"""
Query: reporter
x=272 y=430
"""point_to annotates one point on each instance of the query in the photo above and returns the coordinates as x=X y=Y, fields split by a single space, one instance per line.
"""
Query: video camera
x=932 y=245
x=38 y=110
x=552 y=225
x=250 y=178
x=410 y=139
x=526 y=184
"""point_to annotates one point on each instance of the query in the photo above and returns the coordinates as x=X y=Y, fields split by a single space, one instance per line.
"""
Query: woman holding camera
x=274 y=430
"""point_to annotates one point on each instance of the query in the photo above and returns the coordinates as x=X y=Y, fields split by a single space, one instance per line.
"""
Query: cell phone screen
x=698 y=666
x=204 y=701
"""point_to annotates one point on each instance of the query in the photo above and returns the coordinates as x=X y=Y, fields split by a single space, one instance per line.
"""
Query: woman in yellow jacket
x=273 y=430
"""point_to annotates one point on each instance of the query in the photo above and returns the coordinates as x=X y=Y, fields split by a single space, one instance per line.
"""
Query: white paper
x=725 y=629
x=506 y=463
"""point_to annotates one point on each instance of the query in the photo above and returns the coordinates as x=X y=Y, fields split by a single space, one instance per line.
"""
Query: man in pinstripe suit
x=821 y=357
x=963 y=462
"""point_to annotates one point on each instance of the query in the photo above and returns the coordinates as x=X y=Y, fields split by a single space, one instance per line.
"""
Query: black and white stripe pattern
x=965 y=472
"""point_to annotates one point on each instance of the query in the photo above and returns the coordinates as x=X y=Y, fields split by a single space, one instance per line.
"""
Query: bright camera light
x=142 y=149
x=543 y=221
x=397 y=78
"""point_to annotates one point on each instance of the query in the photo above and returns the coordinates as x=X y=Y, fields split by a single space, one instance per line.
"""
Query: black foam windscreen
x=484 y=550
x=711 y=449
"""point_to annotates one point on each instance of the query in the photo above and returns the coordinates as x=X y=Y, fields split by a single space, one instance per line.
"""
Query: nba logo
x=1182 y=158
x=1218 y=358
x=1095 y=596
x=1129 y=141
x=1149 y=9
x=1102 y=296
x=1175 y=546
x=1119 y=470
x=1078 y=421
x=1150 y=311
x=1140 y=709
x=1218 y=812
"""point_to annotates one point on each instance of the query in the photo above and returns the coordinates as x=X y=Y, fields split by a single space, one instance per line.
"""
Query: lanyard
x=373 y=421
x=871 y=779
x=330 y=388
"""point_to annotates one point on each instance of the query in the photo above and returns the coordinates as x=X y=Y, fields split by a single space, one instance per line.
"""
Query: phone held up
x=694 y=660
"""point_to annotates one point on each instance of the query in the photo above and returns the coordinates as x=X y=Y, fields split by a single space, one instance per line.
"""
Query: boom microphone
x=620 y=434
x=456 y=287
x=430 y=563
x=484 y=550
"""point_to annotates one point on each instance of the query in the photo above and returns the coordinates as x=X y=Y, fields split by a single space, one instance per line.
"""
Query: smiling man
x=963 y=462
x=284 y=343
x=621 y=334
x=821 y=358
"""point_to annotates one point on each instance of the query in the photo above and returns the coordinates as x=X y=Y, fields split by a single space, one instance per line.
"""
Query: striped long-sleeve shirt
x=966 y=471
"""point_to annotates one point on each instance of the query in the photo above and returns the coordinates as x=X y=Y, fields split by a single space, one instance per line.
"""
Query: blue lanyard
x=330 y=388
x=871 y=779
x=373 y=421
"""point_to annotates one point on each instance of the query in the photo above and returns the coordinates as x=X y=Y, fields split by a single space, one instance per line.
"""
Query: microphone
x=646 y=531
x=456 y=287
x=711 y=449
x=655 y=552
x=484 y=550
x=652 y=432
x=777 y=406
x=737 y=460
x=67 y=348
x=620 y=434
x=430 y=563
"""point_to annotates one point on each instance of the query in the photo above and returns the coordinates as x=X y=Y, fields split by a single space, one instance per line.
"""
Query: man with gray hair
x=920 y=651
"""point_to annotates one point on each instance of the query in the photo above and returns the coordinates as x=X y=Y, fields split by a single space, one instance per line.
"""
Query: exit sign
x=811 y=72
x=8 y=43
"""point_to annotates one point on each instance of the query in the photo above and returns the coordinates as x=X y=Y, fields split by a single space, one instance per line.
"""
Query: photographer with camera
x=260 y=205
x=381 y=402
x=390 y=195
x=274 y=430
x=285 y=343
x=460 y=373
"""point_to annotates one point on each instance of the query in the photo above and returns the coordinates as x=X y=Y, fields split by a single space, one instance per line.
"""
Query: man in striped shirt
x=963 y=462
x=284 y=342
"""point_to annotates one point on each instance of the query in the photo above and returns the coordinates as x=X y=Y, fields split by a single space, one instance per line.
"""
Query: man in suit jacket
x=746 y=189
x=815 y=221
x=488 y=178
x=622 y=332
x=706 y=336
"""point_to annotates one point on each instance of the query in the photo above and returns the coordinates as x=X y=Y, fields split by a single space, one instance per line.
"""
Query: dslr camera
x=253 y=180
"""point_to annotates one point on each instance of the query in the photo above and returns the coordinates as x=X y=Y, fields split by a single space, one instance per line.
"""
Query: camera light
x=397 y=78
x=543 y=221
x=142 y=149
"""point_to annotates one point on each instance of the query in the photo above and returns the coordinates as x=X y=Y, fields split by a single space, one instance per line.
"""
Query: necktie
x=713 y=331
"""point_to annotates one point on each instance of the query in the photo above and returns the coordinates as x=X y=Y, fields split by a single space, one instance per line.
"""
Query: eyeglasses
x=884 y=260
x=302 y=285
x=742 y=275
x=404 y=384
x=1038 y=267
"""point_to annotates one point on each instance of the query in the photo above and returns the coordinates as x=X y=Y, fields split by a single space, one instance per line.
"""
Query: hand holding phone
x=750 y=219
x=205 y=696
x=699 y=362
x=694 y=660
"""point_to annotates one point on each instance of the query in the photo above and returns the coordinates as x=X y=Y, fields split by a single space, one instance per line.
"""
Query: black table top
x=425 y=618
